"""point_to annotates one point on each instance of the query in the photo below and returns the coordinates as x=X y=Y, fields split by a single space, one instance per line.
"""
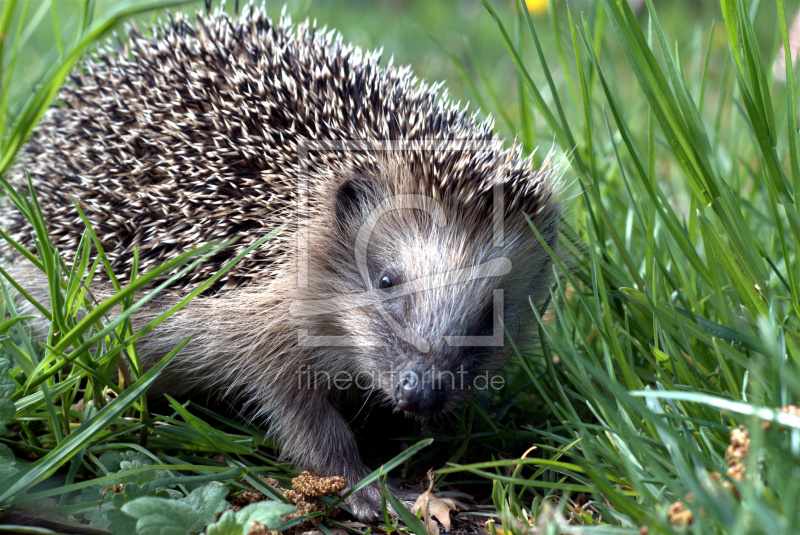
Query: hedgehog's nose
x=420 y=392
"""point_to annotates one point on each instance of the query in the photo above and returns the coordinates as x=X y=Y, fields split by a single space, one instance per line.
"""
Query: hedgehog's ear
x=352 y=197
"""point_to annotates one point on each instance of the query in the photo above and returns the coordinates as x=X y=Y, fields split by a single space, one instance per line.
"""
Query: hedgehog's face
x=431 y=291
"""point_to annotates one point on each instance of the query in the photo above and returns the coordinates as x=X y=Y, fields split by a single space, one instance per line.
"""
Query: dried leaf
x=440 y=510
x=434 y=508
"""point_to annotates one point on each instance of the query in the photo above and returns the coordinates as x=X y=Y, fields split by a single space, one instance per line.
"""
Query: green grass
x=673 y=321
x=676 y=319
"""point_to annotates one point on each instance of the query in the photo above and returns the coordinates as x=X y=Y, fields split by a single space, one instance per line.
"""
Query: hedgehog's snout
x=422 y=391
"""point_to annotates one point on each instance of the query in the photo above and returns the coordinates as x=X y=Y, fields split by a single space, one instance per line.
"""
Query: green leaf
x=109 y=514
x=8 y=464
x=130 y=461
x=112 y=460
x=7 y=385
x=7 y=413
x=208 y=500
x=117 y=522
x=226 y=525
x=159 y=516
x=268 y=513
x=122 y=512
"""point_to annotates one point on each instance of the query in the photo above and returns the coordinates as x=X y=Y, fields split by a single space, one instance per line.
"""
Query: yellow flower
x=537 y=7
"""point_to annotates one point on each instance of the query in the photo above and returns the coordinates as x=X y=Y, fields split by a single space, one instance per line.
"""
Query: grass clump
x=664 y=395
x=671 y=361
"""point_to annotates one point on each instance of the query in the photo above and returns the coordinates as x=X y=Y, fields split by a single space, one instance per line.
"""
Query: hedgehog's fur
x=195 y=134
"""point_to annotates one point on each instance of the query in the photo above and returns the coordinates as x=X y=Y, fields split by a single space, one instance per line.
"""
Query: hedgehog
x=403 y=253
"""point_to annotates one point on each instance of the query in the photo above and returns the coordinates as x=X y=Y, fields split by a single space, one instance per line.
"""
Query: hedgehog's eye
x=386 y=282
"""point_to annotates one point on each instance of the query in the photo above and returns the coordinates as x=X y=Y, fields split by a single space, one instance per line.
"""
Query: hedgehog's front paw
x=366 y=503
